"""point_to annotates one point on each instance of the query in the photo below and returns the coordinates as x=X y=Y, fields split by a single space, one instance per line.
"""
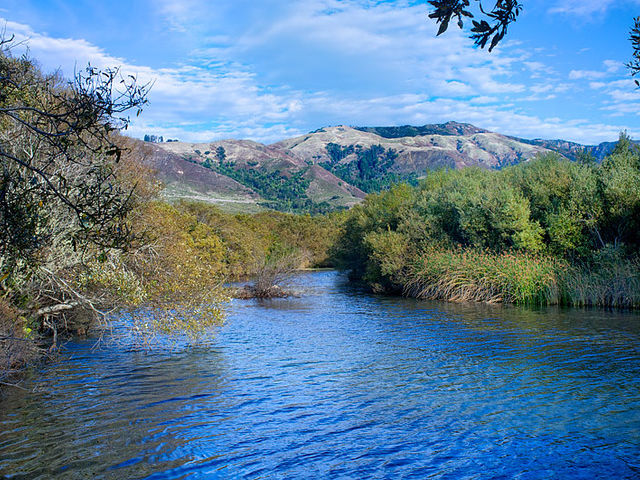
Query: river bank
x=545 y=232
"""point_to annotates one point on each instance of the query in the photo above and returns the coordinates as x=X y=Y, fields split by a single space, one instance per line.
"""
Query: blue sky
x=271 y=69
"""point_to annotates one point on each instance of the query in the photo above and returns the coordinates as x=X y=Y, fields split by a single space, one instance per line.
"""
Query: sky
x=271 y=69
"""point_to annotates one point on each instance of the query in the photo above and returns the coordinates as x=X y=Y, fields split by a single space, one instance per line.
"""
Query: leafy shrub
x=544 y=232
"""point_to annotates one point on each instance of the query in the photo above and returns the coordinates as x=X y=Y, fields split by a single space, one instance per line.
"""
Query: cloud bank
x=287 y=68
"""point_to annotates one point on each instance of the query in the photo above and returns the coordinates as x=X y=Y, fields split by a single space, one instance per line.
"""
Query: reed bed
x=519 y=278
x=612 y=283
x=481 y=276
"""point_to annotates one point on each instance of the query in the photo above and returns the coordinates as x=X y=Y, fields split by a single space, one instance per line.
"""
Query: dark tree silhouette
x=493 y=24
x=634 y=64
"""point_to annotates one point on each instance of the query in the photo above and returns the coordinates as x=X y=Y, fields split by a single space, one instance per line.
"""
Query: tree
x=61 y=196
x=58 y=152
x=221 y=154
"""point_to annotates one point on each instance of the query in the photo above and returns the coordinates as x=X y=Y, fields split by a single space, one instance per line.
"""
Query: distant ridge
x=449 y=128
x=334 y=167
x=572 y=150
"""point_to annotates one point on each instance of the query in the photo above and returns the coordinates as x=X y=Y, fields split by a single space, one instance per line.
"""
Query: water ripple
x=343 y=385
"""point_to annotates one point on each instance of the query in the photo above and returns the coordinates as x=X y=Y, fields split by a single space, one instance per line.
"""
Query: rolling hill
x=334 y=167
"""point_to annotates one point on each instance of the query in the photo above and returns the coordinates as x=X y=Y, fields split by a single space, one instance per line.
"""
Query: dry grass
x=273 y=271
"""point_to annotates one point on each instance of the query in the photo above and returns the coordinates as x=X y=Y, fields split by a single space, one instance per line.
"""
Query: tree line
x=548 y=231
x=370 y=171
x=83 y=229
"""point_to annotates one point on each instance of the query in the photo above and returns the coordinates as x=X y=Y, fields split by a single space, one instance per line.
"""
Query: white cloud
x=581 y=7
x=586 y=74
x=216 y=92
x=355 y=62
x=622 y=97
x=485 y=99
x=613 y=66
x=180 y=15
x=539 y=69
x=188 y=92
x=587 y=8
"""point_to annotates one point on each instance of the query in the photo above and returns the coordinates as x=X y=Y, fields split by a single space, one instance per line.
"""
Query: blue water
x=340 y=384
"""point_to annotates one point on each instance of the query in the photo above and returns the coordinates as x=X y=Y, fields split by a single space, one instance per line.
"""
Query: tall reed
x=612 y=282
x=480 y=276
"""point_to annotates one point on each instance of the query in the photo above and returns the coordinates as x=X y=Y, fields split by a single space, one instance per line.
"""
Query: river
x=342 y=384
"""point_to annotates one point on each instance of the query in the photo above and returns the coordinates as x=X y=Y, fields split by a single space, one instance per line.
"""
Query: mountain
x=334 y=167
x=373 y=158
x=449 y=128
x=267 y=174
x=573 y=150
x=420 y=152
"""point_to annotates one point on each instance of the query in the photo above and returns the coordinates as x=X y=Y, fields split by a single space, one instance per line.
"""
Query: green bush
x=548 y=231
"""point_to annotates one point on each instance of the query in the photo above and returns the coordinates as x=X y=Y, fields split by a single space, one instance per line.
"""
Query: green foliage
x=535 y=233
x=81 y=232
x=389 y=252
x=371 y=170
x=273 y=185
x=221 y=155
x=248 y=239
x=282 y=192
x=564 y=200
x=112 y=275
x=450 y=128
x=472 y=207
x=619 y=183
x=378 y=213
x=173 y=282
x=338 y=152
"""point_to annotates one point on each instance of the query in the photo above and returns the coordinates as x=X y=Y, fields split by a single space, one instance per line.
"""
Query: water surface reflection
x=339 y=384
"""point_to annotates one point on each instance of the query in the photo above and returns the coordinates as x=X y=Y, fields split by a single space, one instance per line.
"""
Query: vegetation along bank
x=546 y=232
x=84 y=230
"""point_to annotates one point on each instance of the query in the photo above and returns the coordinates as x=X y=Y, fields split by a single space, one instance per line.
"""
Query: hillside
x=334 y=167
x=573 y=150
x=418 y=153
x=373 y=158
x=449 y=128
x=273 y=176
